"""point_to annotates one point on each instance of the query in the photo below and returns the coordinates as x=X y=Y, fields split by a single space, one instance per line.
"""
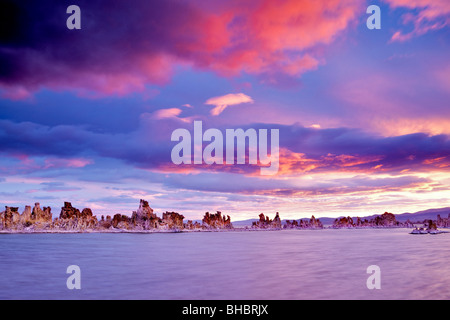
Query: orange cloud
x=433 y=161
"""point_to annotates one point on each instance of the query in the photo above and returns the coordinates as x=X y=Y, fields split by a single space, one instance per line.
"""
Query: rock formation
x=430 y=225
x=189 y=225
x=121 y=221
x=105 y=223
x=408 y=224
x=443 y=222
x=144 y=218
x=343 y=222
x=291 y=224
x=313 y=223
x=276 y=223
x=216 y=221
x=10 y=219
x=26 y=216
x=144 y=212
x=172 y=220
x=386 y=220
x=39 y=215
x=266 y=223
x=71 y=218
x=263 y=222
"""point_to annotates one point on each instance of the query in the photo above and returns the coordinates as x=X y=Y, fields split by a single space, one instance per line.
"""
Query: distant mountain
x=243 y=223
x=425 y=214
x=416 y=216
x=413 y=217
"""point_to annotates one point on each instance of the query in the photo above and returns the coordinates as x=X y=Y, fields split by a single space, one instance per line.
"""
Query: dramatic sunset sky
x=364 y=115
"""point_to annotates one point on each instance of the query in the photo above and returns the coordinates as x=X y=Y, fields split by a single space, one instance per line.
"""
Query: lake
x=268 y=265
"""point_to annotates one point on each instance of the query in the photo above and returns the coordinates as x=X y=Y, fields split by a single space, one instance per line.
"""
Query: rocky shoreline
x=72 y=220
x=144 y=220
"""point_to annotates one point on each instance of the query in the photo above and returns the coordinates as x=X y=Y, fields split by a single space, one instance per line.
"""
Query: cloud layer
x=303 y=150
x=265 y=37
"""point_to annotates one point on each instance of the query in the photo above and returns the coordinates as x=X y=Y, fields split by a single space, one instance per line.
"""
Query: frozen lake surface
x=288 y=264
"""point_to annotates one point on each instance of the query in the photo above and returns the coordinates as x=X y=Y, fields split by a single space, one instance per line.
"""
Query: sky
x=86 y=115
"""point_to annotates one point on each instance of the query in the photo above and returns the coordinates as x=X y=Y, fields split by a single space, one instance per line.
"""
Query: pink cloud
x=230 y=99
x=170 y=113
x=66 y=163
x=167 y=113
x=431 y=15
x=271 y=36
x=15 y=93
x=392 y=103
x=26 y=163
